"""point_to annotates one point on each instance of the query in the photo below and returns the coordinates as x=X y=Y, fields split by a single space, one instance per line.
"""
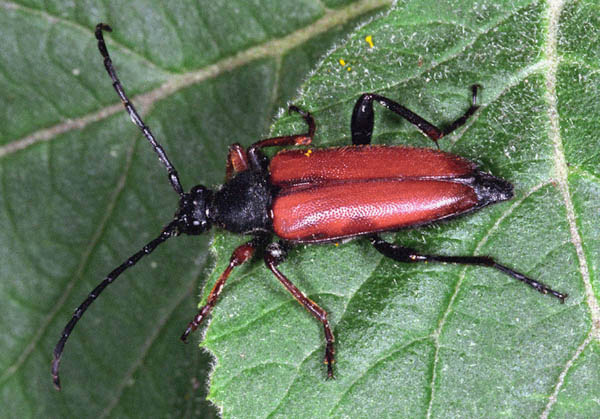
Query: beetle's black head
x=193 y=213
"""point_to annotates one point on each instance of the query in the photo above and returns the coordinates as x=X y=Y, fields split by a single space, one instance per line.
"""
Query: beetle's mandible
x=320 y=195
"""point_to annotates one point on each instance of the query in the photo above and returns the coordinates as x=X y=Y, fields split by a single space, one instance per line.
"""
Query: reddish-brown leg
x=300 y=139
x=274 y=255
x=239 y=256
x=237 y=161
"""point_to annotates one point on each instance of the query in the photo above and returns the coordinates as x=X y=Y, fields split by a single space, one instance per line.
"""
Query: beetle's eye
x=198 y=190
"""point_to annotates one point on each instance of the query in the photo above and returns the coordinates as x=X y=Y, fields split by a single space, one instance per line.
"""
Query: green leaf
x=81 y=190
x=441 y=340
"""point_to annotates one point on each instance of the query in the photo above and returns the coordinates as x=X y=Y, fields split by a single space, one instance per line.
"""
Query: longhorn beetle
x=320 y=196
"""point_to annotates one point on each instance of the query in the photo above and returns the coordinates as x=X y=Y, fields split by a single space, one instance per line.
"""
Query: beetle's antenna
x=135 y=117
x=169 y=231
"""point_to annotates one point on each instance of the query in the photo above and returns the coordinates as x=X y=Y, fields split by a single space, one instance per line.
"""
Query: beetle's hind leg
x=274 y=255
x=363 y=117
x=405 y=254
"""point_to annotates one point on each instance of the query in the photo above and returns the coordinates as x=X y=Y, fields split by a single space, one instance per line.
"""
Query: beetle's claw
x=330 y=372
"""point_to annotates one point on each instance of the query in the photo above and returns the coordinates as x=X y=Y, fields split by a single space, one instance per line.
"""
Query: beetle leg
x=298 y=139
x=257 y=159
x=405 y=254
x=240 y=255
x=363 y=117
x=274 y=255
x=237 y=161
x=469 y=112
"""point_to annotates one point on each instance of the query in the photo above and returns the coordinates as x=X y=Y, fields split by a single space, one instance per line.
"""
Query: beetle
x=320 y=196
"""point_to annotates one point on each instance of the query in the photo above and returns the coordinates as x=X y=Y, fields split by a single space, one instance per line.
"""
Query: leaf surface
x=441 y=340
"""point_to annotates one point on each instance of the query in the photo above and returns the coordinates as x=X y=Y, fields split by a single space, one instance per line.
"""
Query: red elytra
x=365 y=163
x=335 y=193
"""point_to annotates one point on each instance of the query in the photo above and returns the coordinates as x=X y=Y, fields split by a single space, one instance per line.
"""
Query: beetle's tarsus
x=329 y=360
x=103 y=27
x=475 y=90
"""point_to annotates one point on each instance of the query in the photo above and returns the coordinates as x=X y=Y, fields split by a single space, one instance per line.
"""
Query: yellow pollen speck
x=342 y=62
x=337 y=244
x=308 y=153
x=369 y=40
x=349 y=68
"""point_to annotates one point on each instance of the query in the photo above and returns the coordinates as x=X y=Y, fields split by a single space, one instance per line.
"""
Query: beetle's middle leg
x=274 y=255
x=405 y=254
x=363 y=117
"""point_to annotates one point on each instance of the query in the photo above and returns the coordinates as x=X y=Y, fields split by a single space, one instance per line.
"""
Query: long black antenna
x=167 y=232
x=135 y=117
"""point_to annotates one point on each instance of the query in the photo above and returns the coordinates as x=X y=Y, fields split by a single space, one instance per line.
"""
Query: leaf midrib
x=277 y=47
x=562 y=172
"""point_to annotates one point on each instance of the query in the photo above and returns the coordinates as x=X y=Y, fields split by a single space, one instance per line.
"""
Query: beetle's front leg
x=240 y=255
x=275 y=254
x=257 y=159
x=405 y=254
x=237 y=161
x=298 y=139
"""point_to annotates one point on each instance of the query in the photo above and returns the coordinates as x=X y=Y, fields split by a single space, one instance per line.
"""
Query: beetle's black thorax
x=242 y=204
